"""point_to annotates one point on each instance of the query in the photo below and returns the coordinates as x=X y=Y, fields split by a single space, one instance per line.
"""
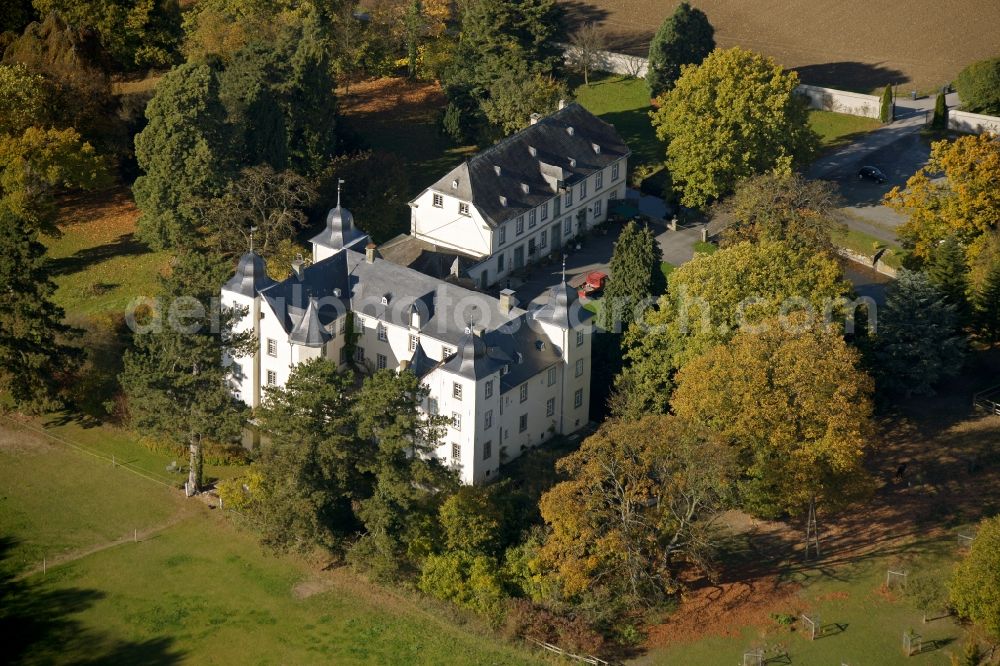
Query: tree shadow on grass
x=125 y=245
x=37 y=623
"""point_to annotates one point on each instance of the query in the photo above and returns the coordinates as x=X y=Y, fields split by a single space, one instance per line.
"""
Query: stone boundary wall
x=609 y=61
x=975 y=123
x=879 y=267
x=841 y=101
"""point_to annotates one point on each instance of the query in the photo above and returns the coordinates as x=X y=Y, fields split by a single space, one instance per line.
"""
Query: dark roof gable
x=559 y=147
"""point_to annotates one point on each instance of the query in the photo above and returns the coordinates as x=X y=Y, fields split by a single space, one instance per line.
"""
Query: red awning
x=596 y=279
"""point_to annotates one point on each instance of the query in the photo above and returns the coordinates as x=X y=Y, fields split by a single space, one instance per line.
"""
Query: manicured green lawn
x=837 y=129
x=865 y=244
x=701 y=247
x=196 y=590
x=97 y=264
x=624 y=103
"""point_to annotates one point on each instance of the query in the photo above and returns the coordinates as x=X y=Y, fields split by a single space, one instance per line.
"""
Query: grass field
x=852 y=45
x=193 y=588
x=837 y=129
x=865 y=244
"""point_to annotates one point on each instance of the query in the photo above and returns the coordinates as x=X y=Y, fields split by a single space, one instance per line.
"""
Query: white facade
x=510 y=384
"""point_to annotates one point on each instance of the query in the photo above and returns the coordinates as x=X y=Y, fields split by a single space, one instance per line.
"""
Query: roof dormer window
x=570 y=130
x=503 y=201
x=533 y=151
x=497 y=169
x=454 y=184
x=572 y=162
x=597 y=148
x=385 y=299
x=525 y=188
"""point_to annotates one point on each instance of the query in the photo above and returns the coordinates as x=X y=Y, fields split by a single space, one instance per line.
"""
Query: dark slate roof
x=251 y=276
x=340 y=231
x=563 y=308
x=510 y=343
x=291 y=298
x=308 y=331
x=559 y=155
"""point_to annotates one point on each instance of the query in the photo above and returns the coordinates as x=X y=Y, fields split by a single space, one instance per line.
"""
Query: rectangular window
x=599 y=180
x=531 y=219
x=383 y=334
x=359 y=354
x=583 y=189
x=272 y=347
x=579 y=367
x=272 y=378
x=550 y=406
x=489 y=389
x=342 y=325
x=503 y=234
x=456 y=420
x=552 y=376
x=432 y=405
x=359 y=325
x=567 y=226
x=456 y=391
x=545 y=211
x=488 y=420
x=522 y=423
x=500 y=263
x=487 y=450
x=543 y=240
x=380 y=361
x=556 y=206
x=598 y=207
x=446 y=351
x=569 y=197
x=412 y=345
x=524 y=392
x=578 y=398
x=614 y=172
x=438 y=201
x=463 y=208
x=456 y=451
x=519 y=226
x=579 y=338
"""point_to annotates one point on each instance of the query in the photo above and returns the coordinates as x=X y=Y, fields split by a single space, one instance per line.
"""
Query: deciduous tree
x=708 y=300
x=516 y=94
x=783 y=207
x=23 y=99
x=975 y=585
x=794 y=403
x=915 y=345
x=979 y=86
x=588 y=42
x=685 y=38
x=640 y=497
x=733 y=116
x=956 y=193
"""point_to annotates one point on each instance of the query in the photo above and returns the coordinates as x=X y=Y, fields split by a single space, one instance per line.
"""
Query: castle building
x=508 y=378
x=521 y=199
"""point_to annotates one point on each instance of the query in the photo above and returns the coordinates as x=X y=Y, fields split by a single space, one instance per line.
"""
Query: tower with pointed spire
x=339 y=232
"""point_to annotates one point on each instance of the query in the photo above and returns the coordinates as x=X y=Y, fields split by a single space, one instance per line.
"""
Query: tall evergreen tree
x=886 y=112
x=685 y=38
x=915 y=345
x=184 y=153
x=399 y=514
x=636 y=277
x=949 y=273
x=34 y=356
x=173 y=378
x=940 y=119
x=988 y=305
x=310 y=465
x=247 y=89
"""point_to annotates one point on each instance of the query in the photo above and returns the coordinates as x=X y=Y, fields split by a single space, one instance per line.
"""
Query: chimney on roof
x=535 y=117
x=298 y=266
x=562 y=104
x=370 y=253
x=506 y=300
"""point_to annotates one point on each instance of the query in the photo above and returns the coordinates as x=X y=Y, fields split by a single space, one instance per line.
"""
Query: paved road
x=898 y=149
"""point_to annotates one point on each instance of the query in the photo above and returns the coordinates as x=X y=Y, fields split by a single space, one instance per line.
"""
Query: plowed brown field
x=850 y=44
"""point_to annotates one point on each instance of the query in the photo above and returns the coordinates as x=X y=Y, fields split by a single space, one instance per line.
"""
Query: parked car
x=871 y=173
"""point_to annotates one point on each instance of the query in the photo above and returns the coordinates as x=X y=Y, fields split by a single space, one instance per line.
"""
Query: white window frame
x=272 y=347
x=502 y=234
x=552 y=376
x=383 y=334
x=489 y=388
x=579 y=367
x=381 y=362
x=583 y=189
x=456 y=390
x=456 y=451
x=487 y=450
x=579 y=338
x=463 y=208
x=412 y=342
x=543 y=239
x=456 y=421
x=437 y=200
x=599 y=180
x=532 y=219
x=615 y=171
x=545 y=211
x=598 y=208
x=524 y=392
x=272 y=378
x=519 y=226
x=522 y=423
x=578 y=398
x=550 y=407
x=569 y=197
x=488 y=419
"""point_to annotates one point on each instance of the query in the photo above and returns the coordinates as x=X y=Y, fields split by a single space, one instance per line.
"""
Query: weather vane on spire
x=564 y=268
x=340 y=181
x=252 y=229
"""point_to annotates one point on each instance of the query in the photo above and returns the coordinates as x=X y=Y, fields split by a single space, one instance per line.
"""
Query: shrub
x=886 y=112
x=979 y=86
x=975 y=585
x=940 y=119
x=570 y=632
